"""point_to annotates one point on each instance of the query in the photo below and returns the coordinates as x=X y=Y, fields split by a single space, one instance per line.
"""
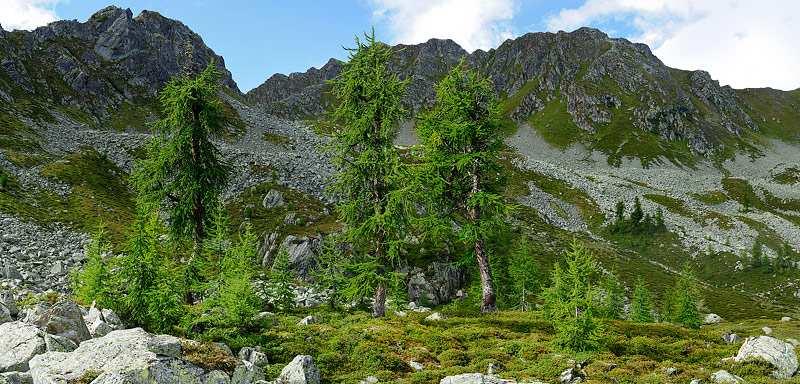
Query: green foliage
x=517 y=277
x=370 y=183
x=153 y=290
x=3 y=180
x=280 y=283
x=638 y=222
x=570 y=302
x=612 y=300
x=93 y=282
x=684 y=301
x=183 y=166
x=641 y=304
x=460 y=168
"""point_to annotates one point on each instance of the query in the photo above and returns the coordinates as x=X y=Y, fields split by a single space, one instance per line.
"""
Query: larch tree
x=370 y=177
x=184 y=171
x=462 y=140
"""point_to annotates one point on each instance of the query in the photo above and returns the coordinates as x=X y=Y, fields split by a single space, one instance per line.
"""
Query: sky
x=742 y=43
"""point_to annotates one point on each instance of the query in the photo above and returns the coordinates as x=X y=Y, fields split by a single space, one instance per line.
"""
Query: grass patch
x=555 y=125
x=711 y=197
x=671 y=204
x=790 y=175
x=277 y=139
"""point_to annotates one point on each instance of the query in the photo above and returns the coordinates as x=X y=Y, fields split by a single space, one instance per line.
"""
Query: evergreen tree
x=619 y=212
x=462 y=140
x=757 y=255
x=183 y=168
x=280 y=281
x=93 y=282
x=234 y=301
x=370 y=180
x=686 y=300
x=641 y=310
x=570 y=301
x=517 y=277
x=612 y=305
x=637 y=214
x=153 y=291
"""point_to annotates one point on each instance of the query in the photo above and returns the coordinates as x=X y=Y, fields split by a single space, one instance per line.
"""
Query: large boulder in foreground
x=63 y=319
x=126 y=356
x=19 y=343
x=779 y=354
x=300 y=371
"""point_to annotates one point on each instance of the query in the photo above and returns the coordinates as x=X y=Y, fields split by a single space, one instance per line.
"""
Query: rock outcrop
x=779 y=354
x=301 y=370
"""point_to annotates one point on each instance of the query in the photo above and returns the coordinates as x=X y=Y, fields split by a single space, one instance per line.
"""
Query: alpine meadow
x=560 y=208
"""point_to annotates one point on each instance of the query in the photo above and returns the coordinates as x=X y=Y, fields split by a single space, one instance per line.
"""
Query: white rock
x=724 y=377
x=436 y=316
x=786 y=319
x=767 y=330
x=779 y=354
x=712 y=318
x=19 y=343
x=307 y=320
x=300 y=371
x=370 y=380
x=125 y=356
x=55 y=343
x=247 y=373
x=415 y=365
x=99 y=328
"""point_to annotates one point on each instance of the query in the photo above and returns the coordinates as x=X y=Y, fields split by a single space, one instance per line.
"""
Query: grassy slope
x=351 y=346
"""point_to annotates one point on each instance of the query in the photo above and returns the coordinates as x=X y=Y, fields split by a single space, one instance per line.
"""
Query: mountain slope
x=99 y=70
x=581 y=86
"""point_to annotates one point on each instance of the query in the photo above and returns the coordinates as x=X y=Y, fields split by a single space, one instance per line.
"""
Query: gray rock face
x=437 y=284
x=126 y=356
x=539 y=68
x=779 y=354
x=301 y=370
x=64 y=319
x=142 y=52
x=19 y=343
x=724 y=377
x=302 y=253
x=712 y=318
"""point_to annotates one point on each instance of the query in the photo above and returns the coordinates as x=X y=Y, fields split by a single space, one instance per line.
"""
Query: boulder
x=477 y=378
x=307 y=320
x=125 y=356
x=16 y=378
x=415 y=365
x=5 y=313
x=436 y=316
x=64 y=318
x=730 y=338
x=767 y=330
x=58 y=344
x=272 y=199
x=712 y=318
x=724 y=377
x=247 y=373
x=99 y=328
x=786 y=319
x=300 y=371
x=19 y=343
x=253 y=355
x=369 y=380
x=779 y=354
x=7 y=300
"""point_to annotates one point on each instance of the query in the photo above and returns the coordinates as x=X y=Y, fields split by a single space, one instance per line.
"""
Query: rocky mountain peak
x=111 y=58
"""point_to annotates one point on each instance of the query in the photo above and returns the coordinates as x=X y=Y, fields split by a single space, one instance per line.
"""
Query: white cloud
x=743 y=43
x=473 y=24
x=26 y=14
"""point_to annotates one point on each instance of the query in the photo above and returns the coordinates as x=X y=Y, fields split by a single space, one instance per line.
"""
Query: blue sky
x=743 y=43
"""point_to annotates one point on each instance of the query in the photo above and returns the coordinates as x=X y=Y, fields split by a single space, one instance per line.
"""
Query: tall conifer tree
x=462 y=139
x=370 y=178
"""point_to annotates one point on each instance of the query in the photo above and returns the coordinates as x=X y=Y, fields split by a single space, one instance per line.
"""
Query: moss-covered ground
x=349 y=346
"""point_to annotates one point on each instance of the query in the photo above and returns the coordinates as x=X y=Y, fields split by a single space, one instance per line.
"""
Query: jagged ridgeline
x=105 y=70
x=611 y=94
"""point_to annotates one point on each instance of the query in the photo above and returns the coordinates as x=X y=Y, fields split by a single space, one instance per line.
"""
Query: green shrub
x=570 y=302
x=641 y=304
x=94 y=281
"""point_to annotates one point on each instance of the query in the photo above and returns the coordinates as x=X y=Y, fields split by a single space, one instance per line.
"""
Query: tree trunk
x=488 y=303
x=379 y=303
